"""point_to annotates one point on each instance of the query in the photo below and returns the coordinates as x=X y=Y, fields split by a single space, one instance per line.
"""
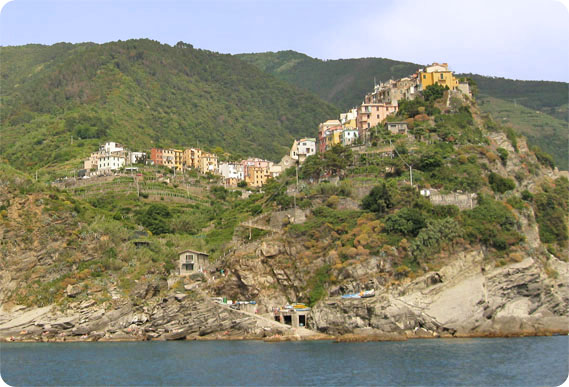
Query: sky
x=519 y=39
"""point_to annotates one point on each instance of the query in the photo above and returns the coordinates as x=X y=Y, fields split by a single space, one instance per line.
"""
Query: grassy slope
x=144 y=94
x=547 y=97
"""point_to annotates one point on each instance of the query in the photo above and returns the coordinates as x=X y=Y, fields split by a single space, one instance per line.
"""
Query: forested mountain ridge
x=58 y=102
x=344 y=82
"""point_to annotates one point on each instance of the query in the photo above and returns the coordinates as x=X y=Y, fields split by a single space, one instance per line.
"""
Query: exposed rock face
x=171 y=318
x=461 y=299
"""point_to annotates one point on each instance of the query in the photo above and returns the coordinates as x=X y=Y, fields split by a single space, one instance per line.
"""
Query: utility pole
x=296 y=189
x=406 y=163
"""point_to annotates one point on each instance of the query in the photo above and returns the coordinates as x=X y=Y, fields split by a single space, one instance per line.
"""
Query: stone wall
x=278 y=218
x=464 y=201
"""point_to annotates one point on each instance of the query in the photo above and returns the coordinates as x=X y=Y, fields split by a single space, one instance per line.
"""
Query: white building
x=349 y=136
x=303 y=148
x=351 y=115
x=111 y=147
x=111 y=163
x=231 y=171
x=275 y=170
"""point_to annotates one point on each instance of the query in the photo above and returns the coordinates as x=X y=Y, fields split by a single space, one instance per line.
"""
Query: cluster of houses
x=352 y=127
x=111 y=157
x=355 y=125
x=254 y=171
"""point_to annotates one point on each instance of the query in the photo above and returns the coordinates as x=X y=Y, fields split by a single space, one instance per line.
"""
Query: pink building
x=371 y=115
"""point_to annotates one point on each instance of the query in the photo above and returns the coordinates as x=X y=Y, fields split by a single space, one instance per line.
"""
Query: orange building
x=371 y=115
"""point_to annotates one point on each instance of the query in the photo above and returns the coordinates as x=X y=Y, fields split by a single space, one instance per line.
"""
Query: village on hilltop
x=352 y=128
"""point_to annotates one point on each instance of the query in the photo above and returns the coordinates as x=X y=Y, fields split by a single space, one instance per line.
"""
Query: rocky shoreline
x=347 y=338
x=464 y=299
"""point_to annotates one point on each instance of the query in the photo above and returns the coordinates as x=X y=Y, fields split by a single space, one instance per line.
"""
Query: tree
x=434 y=92
x=378 y=200
x=337 y=158
x=313 y=167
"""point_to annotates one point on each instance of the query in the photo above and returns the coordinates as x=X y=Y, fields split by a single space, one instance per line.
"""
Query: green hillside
x=344 y=83
x=541 y=129
x=58 y=102
x=547 y=97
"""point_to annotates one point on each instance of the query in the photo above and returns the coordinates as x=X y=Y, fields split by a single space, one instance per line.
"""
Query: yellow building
x=208 y=163
x=437 y=74
x=178 y=159
x=257 y=176
x=334 y=137
x=191 y=158
x=168 y=158
x=350 y=124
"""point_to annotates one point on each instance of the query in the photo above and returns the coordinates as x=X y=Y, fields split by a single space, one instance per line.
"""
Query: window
x=378 y=116
x=424 y=76
x=442 y=76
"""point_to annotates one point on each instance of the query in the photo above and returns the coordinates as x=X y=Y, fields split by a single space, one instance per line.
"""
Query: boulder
x=73 y=290
x=270 y=249
x=180 y=296
x=147 y=289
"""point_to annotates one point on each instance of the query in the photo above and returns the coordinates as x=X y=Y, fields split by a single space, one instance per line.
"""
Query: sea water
x=529 y=361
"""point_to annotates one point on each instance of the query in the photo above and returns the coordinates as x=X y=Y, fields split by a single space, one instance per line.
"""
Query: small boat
x=362 y=294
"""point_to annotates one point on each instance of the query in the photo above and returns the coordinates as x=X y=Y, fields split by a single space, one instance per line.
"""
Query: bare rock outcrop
x=462 y=299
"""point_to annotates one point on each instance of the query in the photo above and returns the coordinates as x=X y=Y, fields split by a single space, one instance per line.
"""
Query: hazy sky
x=520 y=39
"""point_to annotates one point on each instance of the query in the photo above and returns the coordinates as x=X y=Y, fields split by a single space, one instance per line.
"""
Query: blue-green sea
x=529 y=361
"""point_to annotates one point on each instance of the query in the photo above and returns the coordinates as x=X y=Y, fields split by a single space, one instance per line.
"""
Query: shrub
x=503 y=155
x=544 y=158
x=155 y=219
x=316 y=284
x=378 y=200
x=491 y=223
x=431 y=238
x=551 y=212
x=500 y=184
x=407 y=221
x=527 y=195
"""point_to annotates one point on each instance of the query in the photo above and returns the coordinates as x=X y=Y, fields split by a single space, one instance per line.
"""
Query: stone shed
x=192 y=261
